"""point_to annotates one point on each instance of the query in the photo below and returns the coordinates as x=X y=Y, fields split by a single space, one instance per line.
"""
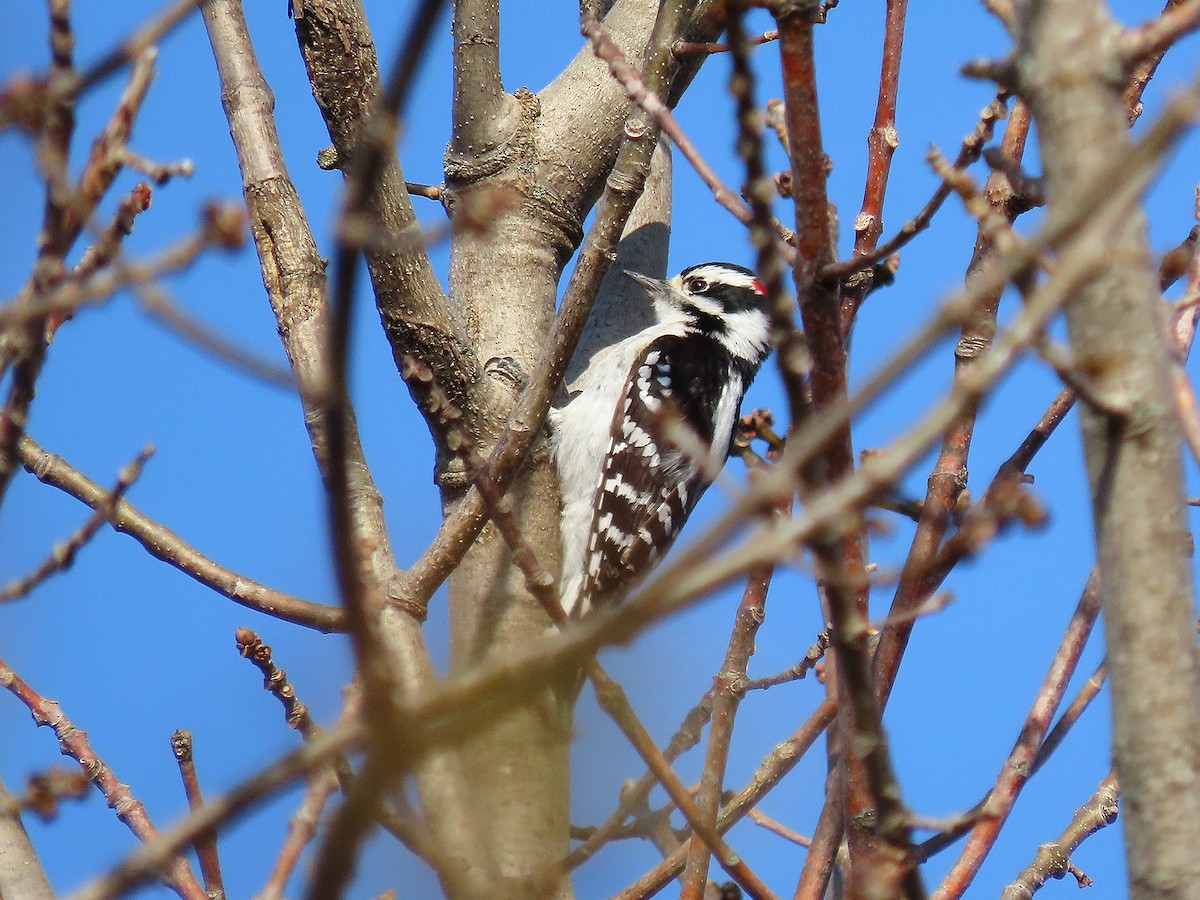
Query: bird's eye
x=696 y=285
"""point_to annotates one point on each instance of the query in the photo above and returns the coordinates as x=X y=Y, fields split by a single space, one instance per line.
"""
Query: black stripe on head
x=735 y=287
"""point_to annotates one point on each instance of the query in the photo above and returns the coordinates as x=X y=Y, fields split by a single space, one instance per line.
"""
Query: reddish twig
x=148 y=859
x=73 y=742
x=206 y=847
x=1017 y=767
x=761 y=818
x=1087 y=693
x=108 y=244
x=918 y=580
x=882 y=141
x=302 y=828
x=633 y=795
x=881 y=857
x=631 y=80
x=969 y=153
x=814 y=655
x=681 y=48
x=74 y=291
x=67 y=210
x=727 y=693
x=778 y=763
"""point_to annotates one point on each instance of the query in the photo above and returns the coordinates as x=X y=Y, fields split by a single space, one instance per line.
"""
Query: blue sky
x=134 y=650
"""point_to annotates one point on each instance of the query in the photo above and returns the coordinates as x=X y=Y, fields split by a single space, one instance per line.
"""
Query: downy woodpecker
x=627 y=484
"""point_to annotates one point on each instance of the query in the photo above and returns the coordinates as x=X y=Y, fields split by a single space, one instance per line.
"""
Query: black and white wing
x=649 y=485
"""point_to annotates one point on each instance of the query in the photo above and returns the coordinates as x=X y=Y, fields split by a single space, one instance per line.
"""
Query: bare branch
x=162 y=543
x=133 y=47
x=882 y=141
x=654 y=106
x=1156 y=36
x=969 y=153
x=777 y=764
x=1134 y=466
x=144 y=862
x=64 y=554
x=684 y=47
x=339 y=53
x=948 y=478
x=1053 y=860
x=1018 y=767
x=206 y=846
x=74 y=743
x=727 y=693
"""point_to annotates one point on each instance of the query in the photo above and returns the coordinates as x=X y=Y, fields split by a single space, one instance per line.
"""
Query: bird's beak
x=652 y=286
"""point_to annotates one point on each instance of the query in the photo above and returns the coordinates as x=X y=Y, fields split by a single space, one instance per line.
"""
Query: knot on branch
x=404 y=603
x=622 y=182
x=971 y=347
x=518 y=150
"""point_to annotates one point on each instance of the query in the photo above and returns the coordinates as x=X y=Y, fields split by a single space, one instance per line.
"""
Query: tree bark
x=1072 y=77
x=21 y=874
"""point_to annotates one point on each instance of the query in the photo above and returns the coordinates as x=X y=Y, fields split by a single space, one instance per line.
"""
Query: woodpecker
x=647 y=427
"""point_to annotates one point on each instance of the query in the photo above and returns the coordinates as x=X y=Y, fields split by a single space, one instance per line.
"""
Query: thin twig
x=777 y=763
x=881 y=860
x=727 y=693
x=761 y=818
x=74 y=743
x=631 y=80
x=681 y=48
x=1053 y=860
x=1018 y=767
x=302 y=828
x=633 y=795
x=144 y=862
x=67 y=210
x=801 y=669
x=918 y=578
x=162 y=543
x=882 y=141
x=206 y=846
x=969 y=153
x=163 y=310
x=63 y=555
x=132 y=47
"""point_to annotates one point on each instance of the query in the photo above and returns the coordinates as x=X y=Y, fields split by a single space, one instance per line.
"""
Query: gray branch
x=21 y=874
x=295 y=279
x=343 y=68
x=1068 y=52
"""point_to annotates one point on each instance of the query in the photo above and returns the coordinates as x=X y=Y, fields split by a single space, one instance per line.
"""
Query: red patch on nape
x=759 y=288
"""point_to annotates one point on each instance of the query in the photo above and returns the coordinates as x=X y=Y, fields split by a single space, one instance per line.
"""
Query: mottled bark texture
x=294 y=275
x=1071 y=76
x=536 y=163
